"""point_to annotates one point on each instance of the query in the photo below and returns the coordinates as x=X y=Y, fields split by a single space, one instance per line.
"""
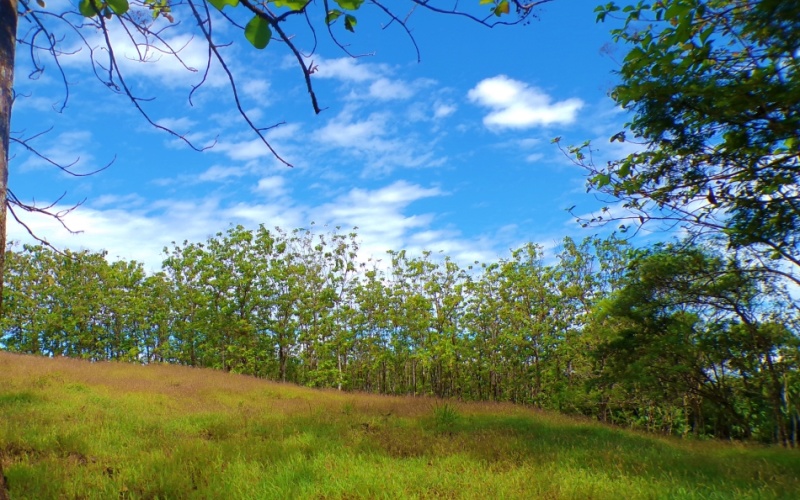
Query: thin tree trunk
x=8 y=35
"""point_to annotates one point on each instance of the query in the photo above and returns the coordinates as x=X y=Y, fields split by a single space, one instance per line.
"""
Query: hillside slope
x=73 y=429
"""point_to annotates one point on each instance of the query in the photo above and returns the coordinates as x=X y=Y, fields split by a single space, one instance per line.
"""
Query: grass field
x=73 y=429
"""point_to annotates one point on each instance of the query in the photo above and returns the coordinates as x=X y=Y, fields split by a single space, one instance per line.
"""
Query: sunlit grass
x=71 y=429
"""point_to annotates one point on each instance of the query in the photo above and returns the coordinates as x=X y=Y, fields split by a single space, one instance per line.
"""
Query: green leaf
x=219 y=4
x=502 y=8
x=677 y=9
x=624 y=169
x=484 y=2
x=89 y=8
x=350 y=23
x=705 y=34
x=257 y=32
x=292 y=4
x=332 y=16
x=350 y=4
x=118 y=6
x=601 y=180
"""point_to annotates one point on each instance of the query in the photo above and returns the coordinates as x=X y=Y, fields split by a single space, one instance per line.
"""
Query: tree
x=693 y=341
x=713 y=87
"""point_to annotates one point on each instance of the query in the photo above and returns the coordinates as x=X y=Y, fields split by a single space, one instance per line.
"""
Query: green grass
x=72 y=429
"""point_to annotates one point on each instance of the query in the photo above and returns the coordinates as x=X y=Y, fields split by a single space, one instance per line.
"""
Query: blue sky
x=452 y=153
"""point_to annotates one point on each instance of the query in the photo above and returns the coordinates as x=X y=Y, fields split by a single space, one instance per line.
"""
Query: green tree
x=713 y=88
x=482 y=317
x=372 y=331
x=692 y=343
x=187 y=300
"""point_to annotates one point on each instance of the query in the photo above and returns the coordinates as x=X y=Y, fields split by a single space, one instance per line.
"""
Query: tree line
x=675 y=338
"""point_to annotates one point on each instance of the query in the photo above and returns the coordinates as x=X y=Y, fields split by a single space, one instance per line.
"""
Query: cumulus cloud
x=515 y=104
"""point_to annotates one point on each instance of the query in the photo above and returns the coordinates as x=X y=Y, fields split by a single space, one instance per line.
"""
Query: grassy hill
x=73 y=429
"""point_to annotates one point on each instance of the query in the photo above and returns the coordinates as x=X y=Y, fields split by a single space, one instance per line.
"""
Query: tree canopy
x=670 y=339
x=713 y=88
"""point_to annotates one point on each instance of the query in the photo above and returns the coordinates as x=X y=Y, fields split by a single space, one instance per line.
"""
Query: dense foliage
x=713 y=91
x=675 y=339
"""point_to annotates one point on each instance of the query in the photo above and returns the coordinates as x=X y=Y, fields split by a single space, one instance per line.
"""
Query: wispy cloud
x=347 y=131
x=218 y=173
x=175 y=59
x=376 y=139
x=347 y=69
x=273 y=186
x=385 y=217
x=380 y=215
x=385 y=89
x=443 y=110
x=67 y=149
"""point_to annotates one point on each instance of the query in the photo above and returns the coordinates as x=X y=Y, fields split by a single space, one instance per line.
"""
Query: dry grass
x=73 y=429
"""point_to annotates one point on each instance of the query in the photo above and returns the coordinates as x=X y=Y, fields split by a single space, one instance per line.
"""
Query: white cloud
x=271 y=215
x=257 y=89
x=69 y=149
x=442 y=110
x=385 y=90
x=384 y=216
x=272 y=186
x=379 y=215
x=252 y=149
x=128 y=201
x=345 y=131
x=346 y=69
x=176 y=59
x=179 y=125
x=534 y=157
x=515 y=104
x=141 y=233
x=376 y=141
x=369 y=80
x=217 y=173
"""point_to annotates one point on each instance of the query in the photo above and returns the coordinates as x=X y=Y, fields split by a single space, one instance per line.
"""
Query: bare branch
x=401 y=22
x=66 y=168
x=207 y=33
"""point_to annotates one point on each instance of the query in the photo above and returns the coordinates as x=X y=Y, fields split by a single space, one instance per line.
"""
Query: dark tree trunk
x=8 y=34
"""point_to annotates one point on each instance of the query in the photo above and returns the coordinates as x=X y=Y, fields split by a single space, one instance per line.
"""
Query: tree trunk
x=8 y=34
